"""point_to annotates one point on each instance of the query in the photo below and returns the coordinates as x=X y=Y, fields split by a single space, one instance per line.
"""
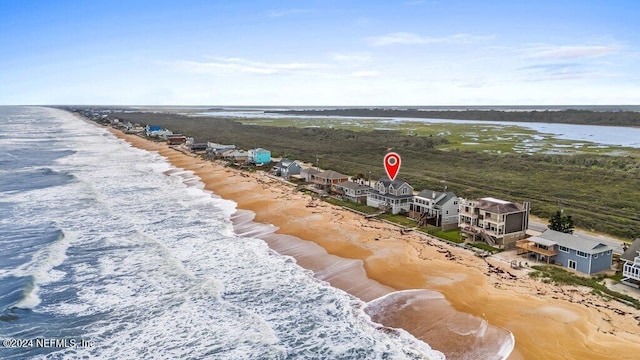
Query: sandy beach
x=370 y=259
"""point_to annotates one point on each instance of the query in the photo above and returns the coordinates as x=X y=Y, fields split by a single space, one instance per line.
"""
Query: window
x=581 y=254
x=447 y=212
x=564 y=249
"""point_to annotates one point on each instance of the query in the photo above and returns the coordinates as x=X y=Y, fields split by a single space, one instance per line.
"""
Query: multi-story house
x=395 y=195
x=259 y=156
x=497 y=222
x=435 y=208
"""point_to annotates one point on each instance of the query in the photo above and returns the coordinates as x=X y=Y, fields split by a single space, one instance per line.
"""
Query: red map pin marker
x=392 y=165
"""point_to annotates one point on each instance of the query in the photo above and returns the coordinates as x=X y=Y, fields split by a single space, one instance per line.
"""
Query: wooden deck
x=525 y=246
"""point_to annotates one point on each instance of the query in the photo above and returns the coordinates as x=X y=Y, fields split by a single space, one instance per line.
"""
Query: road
x=616 y=244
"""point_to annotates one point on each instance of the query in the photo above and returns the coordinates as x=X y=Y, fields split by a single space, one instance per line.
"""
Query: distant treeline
x=584 y=117
x=601 y=192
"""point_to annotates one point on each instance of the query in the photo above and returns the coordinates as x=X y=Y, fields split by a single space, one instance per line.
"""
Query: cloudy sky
x=320 y=52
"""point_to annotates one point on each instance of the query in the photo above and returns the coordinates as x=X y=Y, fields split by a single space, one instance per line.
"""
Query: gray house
x=391 y=195
x=309 y=174
x=569 y=250
x=435 y=208
x=353 y=191
x=286 y=168
x=217 y=150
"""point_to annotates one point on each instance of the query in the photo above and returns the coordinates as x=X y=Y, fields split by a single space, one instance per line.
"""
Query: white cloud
x=225 y=66
x=286 y=12
x=570 y=51
x=351 y=58
x=396 y=38
x=365 y=73
x=411 y=38
x=564 y=71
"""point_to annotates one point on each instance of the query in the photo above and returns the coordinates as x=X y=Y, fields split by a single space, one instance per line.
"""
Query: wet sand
x=370 y=259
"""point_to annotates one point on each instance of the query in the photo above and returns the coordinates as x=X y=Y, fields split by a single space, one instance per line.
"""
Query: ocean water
x=109 y=252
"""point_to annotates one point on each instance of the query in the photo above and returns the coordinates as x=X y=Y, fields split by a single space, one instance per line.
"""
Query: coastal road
x=616 y=244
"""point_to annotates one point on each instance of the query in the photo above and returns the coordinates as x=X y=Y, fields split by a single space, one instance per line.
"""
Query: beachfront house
x=352 y=191
x=157 y=131
x=197 y=147
x=328 y=179
x=391 y=195
x=631 y=267
x=309 y=174
x=216 y=150
x=435 y=208
x=497 y=222
x=286 y=168
x=572 y=251
x=259 y=156
x=239 y=157
x=149 y=129
x=176 y=139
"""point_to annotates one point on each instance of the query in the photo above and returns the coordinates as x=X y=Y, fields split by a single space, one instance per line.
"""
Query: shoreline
x=535 y=312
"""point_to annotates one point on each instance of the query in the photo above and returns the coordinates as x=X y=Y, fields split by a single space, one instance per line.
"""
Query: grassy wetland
x=598 y=185
x=496 y=138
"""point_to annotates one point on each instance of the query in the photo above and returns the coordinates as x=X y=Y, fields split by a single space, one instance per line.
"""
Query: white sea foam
x=41 y=268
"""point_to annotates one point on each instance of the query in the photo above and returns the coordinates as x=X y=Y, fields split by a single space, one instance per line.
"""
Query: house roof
x=497 y=206
x=284 y=163
x=396 y=183
x=311 y=171
x=235 y=153
x=448 y=196
x=541 y=241
x=429 y=194
x=330 y=174
x=220 y=146
x=353 y=185
x=574 y=241
x=441 y=198
x=632 y=251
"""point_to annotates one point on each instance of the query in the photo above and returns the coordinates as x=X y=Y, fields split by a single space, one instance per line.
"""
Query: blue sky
x=319 y=52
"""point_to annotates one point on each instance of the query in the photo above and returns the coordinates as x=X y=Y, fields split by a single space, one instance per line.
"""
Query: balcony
x=469 y=214
x=631 y=271
x=525 y=246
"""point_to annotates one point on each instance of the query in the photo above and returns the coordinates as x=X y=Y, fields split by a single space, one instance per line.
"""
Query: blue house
x=152 y=128
x=259 y=156
x=286 y=168
x=573 y=251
